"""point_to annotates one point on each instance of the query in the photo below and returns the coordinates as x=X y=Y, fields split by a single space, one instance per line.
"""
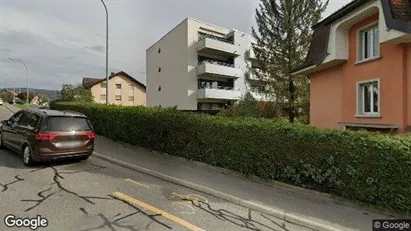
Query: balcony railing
x=221 y=94
x=253 y=74
x=225 y=40
x=219 y=46
x=216 y=87
x=219 y=69
x=216 y=62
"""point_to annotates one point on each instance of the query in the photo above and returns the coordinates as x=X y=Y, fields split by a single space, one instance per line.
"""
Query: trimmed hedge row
x=363 y=166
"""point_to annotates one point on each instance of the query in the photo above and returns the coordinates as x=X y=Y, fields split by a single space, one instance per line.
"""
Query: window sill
x=368 y=115
x=367 y=60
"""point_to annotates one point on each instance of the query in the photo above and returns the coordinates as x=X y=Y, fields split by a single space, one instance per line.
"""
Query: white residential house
x=199 y=66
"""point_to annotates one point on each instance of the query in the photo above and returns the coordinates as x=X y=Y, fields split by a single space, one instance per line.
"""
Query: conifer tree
x=283 y=34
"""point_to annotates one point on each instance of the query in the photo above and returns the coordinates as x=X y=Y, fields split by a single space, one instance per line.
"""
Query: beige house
x=123 y=89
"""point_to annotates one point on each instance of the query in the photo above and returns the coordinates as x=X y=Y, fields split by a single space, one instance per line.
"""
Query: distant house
x=35 y=100
x=11 y=92
x=123 y=89
x=359 y=64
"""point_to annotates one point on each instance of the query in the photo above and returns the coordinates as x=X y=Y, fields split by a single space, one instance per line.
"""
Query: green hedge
x=363 y=166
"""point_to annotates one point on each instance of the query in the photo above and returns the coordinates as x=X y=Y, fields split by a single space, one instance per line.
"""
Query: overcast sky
x=63 y=41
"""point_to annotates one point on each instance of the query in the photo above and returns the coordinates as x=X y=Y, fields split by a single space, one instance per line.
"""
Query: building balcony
x=253 y=73
x=218 y=93
x=251 y=54
x=217 y=46
x=219 y=69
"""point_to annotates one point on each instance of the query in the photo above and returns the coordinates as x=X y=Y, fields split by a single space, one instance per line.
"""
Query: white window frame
x=360 y=99
x=360 y=41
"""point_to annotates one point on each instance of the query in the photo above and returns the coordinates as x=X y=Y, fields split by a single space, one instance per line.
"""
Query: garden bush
x=363 y=166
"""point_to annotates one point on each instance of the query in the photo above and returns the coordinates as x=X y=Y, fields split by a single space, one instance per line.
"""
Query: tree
x=43 y=98
x=71 y=93
x=6 y=96
x=23 y=96
x=283 y=35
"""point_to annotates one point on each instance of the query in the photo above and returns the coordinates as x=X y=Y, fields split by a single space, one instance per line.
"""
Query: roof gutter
x=341 y=12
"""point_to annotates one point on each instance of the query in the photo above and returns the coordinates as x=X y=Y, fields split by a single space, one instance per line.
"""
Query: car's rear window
x=66 y=124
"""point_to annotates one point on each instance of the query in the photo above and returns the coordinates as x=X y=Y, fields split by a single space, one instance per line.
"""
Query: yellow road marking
x=135 y=182
x=155 y=210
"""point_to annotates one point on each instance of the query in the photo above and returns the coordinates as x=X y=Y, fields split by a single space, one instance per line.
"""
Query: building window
x=159 y=88
x=118 y=97
x=131 y=98
x=103 y=85
x=103 y=97
x=118 y=86
x=369 y=44
x=159 y=69
x=368 y=97
x=159 y=50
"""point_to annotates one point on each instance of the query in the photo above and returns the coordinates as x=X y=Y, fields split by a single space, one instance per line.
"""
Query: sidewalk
x=305 y=204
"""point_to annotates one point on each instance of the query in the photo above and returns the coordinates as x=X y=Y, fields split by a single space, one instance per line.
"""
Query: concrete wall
x=173 y=78
x=128 y=88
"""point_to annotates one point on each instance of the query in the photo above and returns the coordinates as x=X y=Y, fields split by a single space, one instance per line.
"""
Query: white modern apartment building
x=199 y=66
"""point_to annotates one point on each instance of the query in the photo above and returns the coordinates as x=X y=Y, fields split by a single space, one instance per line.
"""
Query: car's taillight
x=45 y=136
x=91 y=135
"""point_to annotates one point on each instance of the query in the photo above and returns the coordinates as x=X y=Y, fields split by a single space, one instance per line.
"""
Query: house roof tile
x=401 y=10
x=89 y=82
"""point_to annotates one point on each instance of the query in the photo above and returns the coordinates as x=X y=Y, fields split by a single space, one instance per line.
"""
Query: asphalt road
x=99 y=195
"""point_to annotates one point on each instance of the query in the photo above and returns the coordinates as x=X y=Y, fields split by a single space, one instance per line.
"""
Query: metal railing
x=216 y=87
x=224 y=40
x=217 y=63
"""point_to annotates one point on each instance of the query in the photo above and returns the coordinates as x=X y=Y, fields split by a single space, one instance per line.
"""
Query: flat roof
x=199 y=21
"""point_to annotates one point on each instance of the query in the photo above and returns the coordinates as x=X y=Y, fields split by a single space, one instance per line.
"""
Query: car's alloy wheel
x=27 y=159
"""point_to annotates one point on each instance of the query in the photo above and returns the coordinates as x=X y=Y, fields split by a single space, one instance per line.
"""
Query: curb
x=9 y=108
x=292 y=218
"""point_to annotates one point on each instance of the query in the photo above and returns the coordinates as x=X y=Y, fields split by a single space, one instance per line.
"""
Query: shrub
x=250 y=107
x=363 y=166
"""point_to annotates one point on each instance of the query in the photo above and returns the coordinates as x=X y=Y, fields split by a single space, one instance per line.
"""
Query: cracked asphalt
x=99 y=195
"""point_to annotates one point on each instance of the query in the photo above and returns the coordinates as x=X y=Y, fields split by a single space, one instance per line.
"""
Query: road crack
x=6 y=186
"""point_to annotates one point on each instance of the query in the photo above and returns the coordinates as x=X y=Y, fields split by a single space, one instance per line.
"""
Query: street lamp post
x=27 y=74
x=105 y=7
